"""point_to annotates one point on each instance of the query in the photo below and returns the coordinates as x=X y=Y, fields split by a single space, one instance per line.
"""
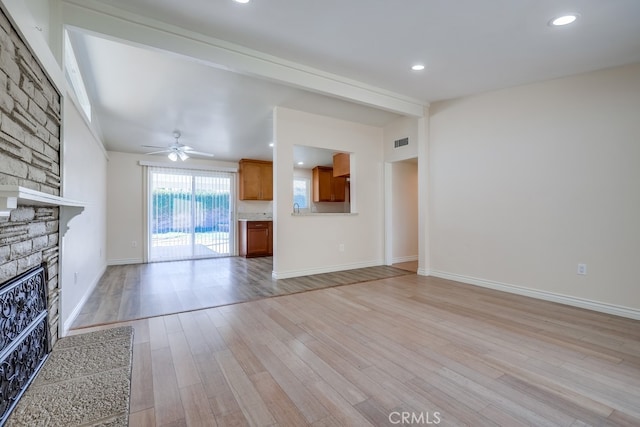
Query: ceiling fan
x=177 y=150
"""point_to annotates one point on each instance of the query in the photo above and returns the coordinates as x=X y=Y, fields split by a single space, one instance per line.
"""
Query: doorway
x=402 y=218
x=190 y=214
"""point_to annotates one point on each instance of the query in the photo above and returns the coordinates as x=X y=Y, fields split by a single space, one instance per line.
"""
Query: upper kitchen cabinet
x=326 y=187
x=256 y=179
x=342 y=164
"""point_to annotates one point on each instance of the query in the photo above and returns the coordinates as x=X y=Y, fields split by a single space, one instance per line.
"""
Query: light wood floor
x=355 y=355
x=128 y=292
x=409 y=266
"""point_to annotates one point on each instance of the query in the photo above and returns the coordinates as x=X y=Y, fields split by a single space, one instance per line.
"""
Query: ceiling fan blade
x=154 y=146
x=178 y=148
x=198 y=153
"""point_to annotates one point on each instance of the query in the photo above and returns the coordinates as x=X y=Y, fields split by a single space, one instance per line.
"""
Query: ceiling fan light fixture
x=563 y=20
x=178 y=151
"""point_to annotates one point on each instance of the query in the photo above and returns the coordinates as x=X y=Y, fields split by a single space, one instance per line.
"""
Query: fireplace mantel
x=12 y=196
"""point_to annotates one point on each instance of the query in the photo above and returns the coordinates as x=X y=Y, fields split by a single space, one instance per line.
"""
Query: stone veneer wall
x=30 y=119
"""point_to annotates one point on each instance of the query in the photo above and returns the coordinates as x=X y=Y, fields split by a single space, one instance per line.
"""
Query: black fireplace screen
x=24 y=335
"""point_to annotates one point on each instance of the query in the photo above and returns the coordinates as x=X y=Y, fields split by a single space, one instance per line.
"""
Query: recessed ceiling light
x=300 y=163
x=271 y=144
x=242 y=1
x=563 y=20
x=417 y=67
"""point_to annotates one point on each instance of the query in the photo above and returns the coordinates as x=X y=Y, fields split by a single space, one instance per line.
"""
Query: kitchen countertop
x=255 y=216
x=324 y=214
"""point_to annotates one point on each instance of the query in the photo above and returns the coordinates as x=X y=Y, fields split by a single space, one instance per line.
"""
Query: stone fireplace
x=33 y=216
x=30 y=120
x=24 y=335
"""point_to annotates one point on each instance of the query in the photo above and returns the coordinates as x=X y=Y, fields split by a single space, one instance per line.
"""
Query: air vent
x=400 y=142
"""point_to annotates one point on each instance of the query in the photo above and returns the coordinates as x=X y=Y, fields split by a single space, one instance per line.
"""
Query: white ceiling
x=468 y=46
x=140 y=96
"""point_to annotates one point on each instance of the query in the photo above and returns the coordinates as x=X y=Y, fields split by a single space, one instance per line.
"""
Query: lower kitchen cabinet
x=255 y=238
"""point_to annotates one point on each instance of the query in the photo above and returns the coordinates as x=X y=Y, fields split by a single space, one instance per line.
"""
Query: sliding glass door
x=190 y=214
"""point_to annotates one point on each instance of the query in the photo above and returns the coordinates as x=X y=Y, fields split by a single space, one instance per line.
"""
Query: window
x=301 y=192
x=72 y=72
x=190 y=214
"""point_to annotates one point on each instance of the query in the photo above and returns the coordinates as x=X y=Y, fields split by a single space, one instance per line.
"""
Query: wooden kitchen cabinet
x=256 y=179
x=342 y=164
x=255 y=238
x=326 y=187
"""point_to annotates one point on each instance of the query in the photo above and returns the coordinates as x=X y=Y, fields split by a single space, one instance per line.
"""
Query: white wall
x=40 y=10
x=527 y=182
x=404 y=211
x=310 y=244
x=403 y=127
x=125 y=209
x=84 y=174
x=126 y=204
x=402 y=221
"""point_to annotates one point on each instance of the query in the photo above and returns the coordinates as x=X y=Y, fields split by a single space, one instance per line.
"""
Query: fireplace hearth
x=24 y=335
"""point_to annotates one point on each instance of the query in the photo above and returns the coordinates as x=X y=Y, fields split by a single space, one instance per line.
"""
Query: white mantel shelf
x=12 y=196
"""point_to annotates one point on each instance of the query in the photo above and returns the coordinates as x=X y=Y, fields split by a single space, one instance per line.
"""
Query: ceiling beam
x=123 y=26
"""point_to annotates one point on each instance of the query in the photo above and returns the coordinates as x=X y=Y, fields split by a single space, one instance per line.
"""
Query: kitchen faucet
x=296 y=208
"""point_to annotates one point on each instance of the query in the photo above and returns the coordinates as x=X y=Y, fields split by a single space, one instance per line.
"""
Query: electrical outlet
x=75 y=277
x=134 y=244
x=341 y=247
x=582 y=269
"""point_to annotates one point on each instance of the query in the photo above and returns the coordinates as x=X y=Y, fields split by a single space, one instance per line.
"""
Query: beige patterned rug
x=85 y=382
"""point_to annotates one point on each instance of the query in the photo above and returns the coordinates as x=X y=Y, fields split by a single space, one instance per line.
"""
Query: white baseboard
x=602 y=307
x=423 y=272
x=124 y=261
x=409 y=258
x=307 y=272
x=76 y=311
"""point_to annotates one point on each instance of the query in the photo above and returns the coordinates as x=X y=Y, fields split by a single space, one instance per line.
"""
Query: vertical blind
x=190 y=214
